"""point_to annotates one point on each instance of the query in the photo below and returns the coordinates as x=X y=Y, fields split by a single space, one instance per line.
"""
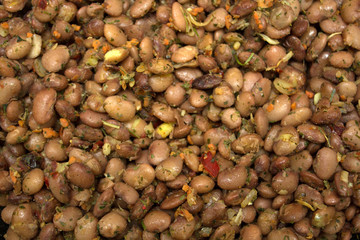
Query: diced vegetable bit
x=210 y=164
x=165 y=129
x=49 y=133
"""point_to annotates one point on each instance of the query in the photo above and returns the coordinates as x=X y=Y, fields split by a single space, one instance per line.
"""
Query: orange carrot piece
x=76 y=27
x=270 y=107
x=49 y=133
x=265 y=3
x=64 y=123
x=105 y=48
x=293 y=106
x=12 y=176
x=96 y=44
x=309 y=94
x=196 y=11
x=56 y=34
x=227 y=21
x=5 y=25
x=166 y=42
x=257 y=18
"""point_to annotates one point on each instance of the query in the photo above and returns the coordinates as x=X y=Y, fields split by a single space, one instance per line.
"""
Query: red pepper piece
x=209 y=163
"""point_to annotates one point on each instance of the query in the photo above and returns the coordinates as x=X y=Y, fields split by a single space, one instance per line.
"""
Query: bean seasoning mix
x=175 y=120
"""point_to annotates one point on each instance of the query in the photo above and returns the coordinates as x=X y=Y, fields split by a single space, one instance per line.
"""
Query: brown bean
x=66 y=218
x=126 y=193
x=232 y=178
x=281 y=234
x=292 y=213
x=157 y=221
x=323 y=217
x=206 y=82
x=104 y=202
x=169 y=169
x=86 y=227
x=23 y=222
x=251 y=231
x=286 y=141
x=342 y=182
x=182 y=229
x=173 y=200
x=139 y=176
x=202 y=184
x=11 y=87
x=285 y=182
x=80 y=175
x=325 y=163
x=267 y=220
x=301 y=161
x=59 y=187
x=249 y=143
x=226 y=230
x=111 y=225
x=281 y=108
x=33 y=181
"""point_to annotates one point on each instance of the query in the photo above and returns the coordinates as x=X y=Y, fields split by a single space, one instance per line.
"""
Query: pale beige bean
x=139 y=176
x=114 y=35
x=23 y=222
x=140 y=8
x=157 y=221
x=119 y=109
x=56 y=59
x=33 y=181
x=184 y=54
x=202 y=184
x=169 y=169
x=280 y=108
x=10 y=88
x=111 y=225
x=217 y=20
x=86 y=227
x=66 y=218
x=177 y=12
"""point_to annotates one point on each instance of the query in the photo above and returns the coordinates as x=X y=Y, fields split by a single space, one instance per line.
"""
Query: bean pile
x=207 y=119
